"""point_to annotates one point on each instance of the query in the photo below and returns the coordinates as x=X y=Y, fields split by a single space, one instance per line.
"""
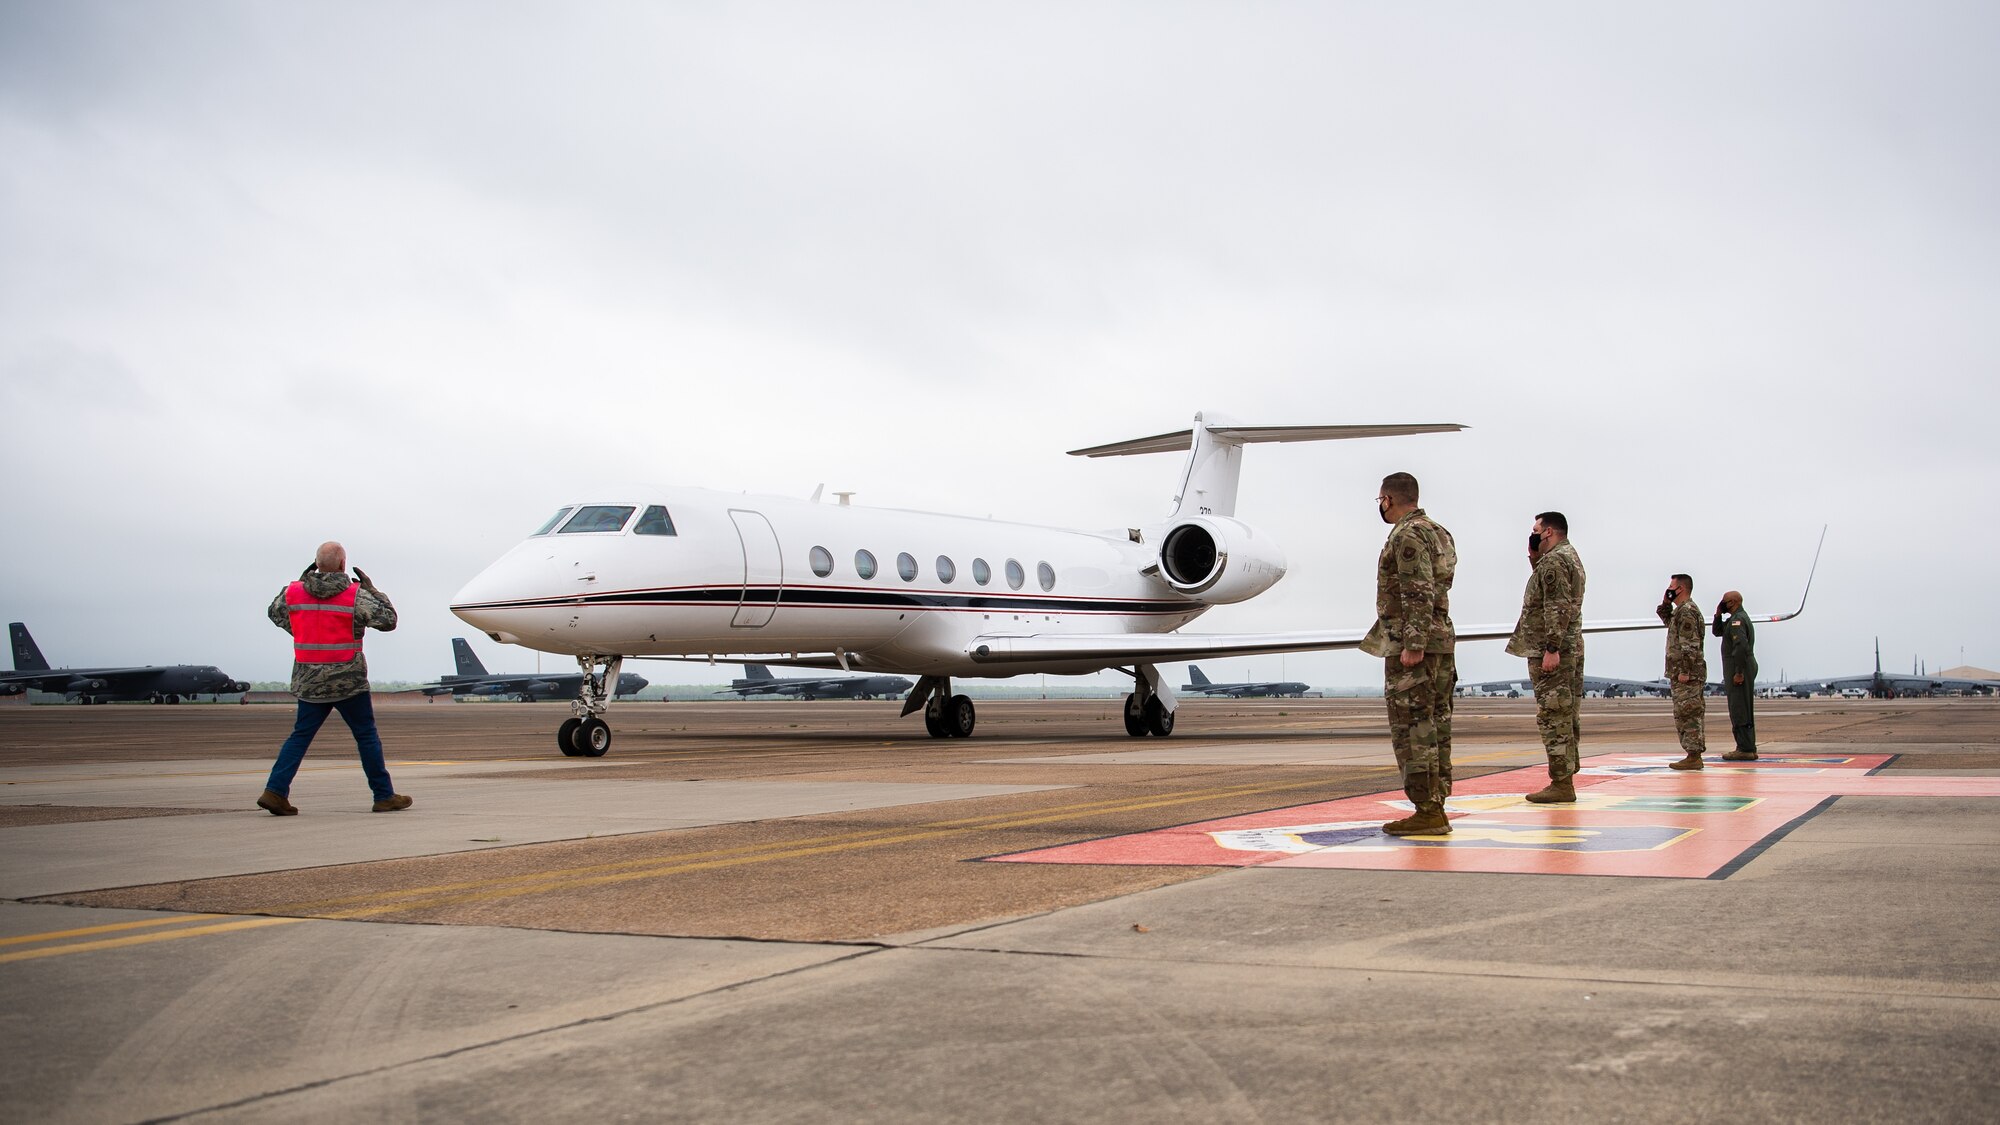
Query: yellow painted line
x=458 y=894
x=114 y=927
x=143 y=939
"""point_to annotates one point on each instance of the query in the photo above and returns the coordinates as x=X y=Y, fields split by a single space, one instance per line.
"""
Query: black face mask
x=1382 y=508
x=1534 y=541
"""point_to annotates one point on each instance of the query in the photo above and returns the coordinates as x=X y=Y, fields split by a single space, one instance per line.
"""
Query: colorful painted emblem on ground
x=1633 y=816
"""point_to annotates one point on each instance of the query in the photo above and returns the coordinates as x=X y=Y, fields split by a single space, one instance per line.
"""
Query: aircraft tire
x=1159 y=720
x=934 y=724
x=959 y=717
x=566 y=737
x=592 y=738
x=1135 y=719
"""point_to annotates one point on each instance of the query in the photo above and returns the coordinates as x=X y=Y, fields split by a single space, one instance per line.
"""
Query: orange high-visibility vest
x=322 y=628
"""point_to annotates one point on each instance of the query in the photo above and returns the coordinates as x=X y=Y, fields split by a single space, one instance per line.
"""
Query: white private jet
x=696 y=574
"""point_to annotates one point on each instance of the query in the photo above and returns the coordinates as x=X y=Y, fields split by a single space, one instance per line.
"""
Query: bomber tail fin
x=27 y=658
x=758 y=672
x=1215 y=454
x=468 y=661
x=1195 y=676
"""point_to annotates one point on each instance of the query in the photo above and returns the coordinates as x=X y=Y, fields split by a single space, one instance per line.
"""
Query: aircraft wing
x=1153 y=648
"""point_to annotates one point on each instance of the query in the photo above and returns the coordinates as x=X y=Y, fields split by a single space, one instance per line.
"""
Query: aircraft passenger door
x=763 y=569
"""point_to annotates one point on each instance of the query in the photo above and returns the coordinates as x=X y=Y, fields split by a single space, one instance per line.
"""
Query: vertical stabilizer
x=1194 y=674
x=27 y=658
x=1214 y=464
x=758 y=673
x=468 y=661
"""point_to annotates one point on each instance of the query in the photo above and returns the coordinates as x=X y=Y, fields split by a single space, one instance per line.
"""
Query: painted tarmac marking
x=1633 y=817
x=114 y=927
x=144 y=939
x=596 y=875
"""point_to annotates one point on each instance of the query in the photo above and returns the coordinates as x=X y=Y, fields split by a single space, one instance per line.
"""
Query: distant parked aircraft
x=1889 y=685
x=528 y=687
x=1202 y=686
x=1592 y=686
x=168 y=683
x=759 y=681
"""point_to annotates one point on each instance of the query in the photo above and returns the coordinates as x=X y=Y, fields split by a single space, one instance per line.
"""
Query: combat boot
x=275 y=803
x=394 y=803
x=1691 y=762
x=1740 y=756
x=1555 y=793
x=1428 y=820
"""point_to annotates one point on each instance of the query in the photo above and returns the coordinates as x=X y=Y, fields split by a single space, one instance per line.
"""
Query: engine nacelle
x=1219 y=559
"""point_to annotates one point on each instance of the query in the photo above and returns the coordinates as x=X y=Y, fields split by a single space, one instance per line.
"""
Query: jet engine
x=1219 y=559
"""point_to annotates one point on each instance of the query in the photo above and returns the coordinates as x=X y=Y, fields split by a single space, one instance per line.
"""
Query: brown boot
x=1428 y=820
x=275 y=804
x=1740 y=756
x=1691 y=762
x=396 y=803
x=1555 y=793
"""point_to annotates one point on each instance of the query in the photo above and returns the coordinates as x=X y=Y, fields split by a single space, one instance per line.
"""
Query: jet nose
x=516 y=577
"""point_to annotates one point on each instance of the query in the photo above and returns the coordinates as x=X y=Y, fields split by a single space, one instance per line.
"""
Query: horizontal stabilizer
x=1246 y=435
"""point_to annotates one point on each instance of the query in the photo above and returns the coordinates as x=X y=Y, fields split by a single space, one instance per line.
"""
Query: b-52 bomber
x=759 y=681
x=1889 y=685
x=528 y=687
x=1203 y=686
x=157 y=683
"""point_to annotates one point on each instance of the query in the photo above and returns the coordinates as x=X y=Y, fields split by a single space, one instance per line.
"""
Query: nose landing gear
x=586 y=735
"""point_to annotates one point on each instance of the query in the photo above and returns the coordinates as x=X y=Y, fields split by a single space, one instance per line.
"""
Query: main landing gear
x=1150 y=707
x=945 y=715
x=586 y=734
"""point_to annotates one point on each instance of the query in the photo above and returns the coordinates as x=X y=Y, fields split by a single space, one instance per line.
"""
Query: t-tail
x=1194 y=674
x=27 y=658
x=468 y=661
x=1215 y=454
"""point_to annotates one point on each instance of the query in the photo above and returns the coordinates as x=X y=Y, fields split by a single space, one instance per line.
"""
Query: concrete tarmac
x=778 y=912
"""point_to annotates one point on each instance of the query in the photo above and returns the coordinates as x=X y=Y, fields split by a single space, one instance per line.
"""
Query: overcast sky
x=1703 y=276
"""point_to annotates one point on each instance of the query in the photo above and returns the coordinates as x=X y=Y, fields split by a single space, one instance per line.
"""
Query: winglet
x=1808 y=590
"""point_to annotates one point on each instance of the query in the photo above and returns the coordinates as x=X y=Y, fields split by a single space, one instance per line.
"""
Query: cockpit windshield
x=654 y=521
x=552 y=522
x=597 y=517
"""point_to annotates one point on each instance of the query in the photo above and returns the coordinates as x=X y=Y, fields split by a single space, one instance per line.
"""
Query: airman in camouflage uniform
x=323 y=687
x=1687 y=667
x=1739 y=674
x=1550 y=634
x=1414 y=636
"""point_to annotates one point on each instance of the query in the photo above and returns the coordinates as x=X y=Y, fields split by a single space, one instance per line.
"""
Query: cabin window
x=553 y=521
x=906 y=566
x=1045 y=574
x=654 y=521
x=1015 y=575
x=947 y=570
x=864 y=563
x=597 y=517
x=822 y=561
x=981 y=573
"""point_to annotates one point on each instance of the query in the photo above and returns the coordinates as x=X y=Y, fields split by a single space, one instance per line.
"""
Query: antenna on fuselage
x=844 y=497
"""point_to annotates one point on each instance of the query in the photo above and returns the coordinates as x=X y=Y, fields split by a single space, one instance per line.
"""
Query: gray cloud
x=1705 y=278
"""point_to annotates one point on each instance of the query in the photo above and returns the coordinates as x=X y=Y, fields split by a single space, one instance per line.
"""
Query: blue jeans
x=359 y=712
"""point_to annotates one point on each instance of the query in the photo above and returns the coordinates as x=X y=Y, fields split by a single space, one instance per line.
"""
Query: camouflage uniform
x=1739 y=657
x=1685 y=637
x=1552 y=621
x=331 y=683
x=1413 y=611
